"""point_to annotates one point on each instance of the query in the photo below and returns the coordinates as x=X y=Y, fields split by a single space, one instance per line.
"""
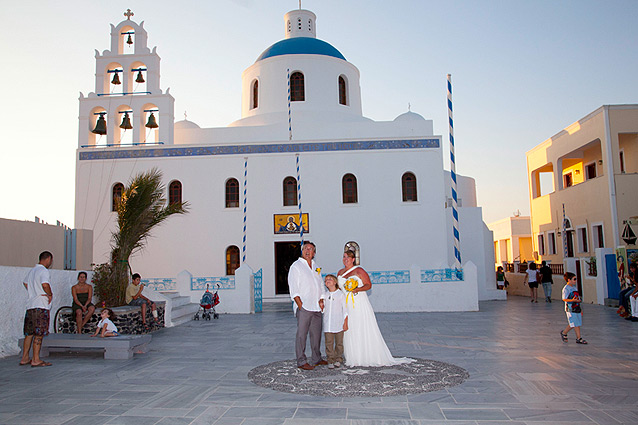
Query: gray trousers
x=308 y=323
x=547 y=288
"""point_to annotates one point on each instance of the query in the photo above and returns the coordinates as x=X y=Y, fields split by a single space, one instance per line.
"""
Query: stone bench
x=128 y=320
x=116 y=347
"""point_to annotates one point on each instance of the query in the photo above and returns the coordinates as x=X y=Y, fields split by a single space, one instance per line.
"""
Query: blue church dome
x=301 y=46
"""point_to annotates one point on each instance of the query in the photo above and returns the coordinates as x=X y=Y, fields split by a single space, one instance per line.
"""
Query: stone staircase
x=277 y=304
x=182 y=308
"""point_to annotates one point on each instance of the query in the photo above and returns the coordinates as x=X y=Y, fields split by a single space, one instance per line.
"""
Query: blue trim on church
x=301 y=46
x=155 y=152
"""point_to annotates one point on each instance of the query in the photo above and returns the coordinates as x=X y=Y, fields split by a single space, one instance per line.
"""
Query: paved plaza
x=196 y=373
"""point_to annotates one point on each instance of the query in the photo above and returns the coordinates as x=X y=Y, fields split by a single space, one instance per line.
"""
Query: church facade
x=302 y=162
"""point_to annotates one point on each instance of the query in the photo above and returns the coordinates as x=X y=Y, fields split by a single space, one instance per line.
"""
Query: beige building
x=591 y=170
x=23 y=241
x=512 y=240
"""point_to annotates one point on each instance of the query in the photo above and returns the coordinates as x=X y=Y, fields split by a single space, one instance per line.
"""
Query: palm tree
x=141 y=208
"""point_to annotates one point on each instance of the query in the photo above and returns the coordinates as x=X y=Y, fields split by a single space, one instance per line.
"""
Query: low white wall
x=238 y=300
x=430 y=296
x=13 y=300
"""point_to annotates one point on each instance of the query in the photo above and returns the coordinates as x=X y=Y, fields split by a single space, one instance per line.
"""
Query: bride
x=363 y=343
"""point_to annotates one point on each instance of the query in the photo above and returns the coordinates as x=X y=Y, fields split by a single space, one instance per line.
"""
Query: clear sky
x=521 y=71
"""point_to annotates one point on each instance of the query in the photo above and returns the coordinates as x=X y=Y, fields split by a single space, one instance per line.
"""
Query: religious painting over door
x=289 y=223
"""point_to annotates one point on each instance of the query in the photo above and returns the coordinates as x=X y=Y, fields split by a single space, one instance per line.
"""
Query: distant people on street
x=624 y=298
x=106 y=327
x=546 y=281
x=134 y=297
x=531 y=278
x=36 y=319
x=572 y=308
x=82 y=306
x=500 y=278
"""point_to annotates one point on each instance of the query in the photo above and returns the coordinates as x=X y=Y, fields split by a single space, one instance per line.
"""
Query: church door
x=286 y=253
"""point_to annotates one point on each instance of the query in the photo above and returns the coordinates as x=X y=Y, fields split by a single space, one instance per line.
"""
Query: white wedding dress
x=363 y=344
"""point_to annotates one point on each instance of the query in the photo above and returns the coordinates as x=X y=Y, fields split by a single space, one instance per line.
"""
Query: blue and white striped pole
x=289 y=112
x=565 y=250
x=455 y=213
x=299 y=202
x=243 y=250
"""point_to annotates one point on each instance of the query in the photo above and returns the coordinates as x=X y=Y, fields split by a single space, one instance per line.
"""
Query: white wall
x=13 y=300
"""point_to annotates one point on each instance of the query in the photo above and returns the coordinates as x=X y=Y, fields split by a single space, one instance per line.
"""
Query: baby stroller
x=207 y=305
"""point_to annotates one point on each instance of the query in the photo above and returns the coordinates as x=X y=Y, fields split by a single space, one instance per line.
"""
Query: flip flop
x=43 y=364
x=24 y=364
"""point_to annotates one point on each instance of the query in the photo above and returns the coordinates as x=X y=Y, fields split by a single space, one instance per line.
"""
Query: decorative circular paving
x=420 y=376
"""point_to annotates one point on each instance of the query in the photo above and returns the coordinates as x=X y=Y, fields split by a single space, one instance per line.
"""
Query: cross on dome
x=128 y=14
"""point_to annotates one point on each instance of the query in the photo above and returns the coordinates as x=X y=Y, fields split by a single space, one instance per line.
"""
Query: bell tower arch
x=126 y=74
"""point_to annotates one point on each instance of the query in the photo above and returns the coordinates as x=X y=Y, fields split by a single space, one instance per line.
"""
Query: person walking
x=36 y=319
x=306 y=289
x=532 y=278
x=546 y=281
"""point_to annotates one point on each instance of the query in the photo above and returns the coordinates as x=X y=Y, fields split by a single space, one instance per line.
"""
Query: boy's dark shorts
x=533 y=284
x=36 y=322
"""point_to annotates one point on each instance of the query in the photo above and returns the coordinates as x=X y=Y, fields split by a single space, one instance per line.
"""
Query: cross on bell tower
x=128 y=14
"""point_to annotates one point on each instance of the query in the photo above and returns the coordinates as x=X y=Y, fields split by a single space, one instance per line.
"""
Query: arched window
x=408 y=187
x=175 y=192
x=290 y=191
x=349 y=189
x=118 y=189
x=254 y=101
x=232 y=260
x=354 y=247
x=343 y=99
x=297 y=92
x=232 y=193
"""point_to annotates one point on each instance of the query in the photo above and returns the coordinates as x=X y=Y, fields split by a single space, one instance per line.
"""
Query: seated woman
x=82 y=307
x=624 y=296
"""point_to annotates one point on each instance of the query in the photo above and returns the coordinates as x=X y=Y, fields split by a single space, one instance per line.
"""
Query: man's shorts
x=36 y=322
x=139 y=302
x=533 y=284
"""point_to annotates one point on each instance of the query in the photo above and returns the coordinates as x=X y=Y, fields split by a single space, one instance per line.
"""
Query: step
x=276 y=304
x=176 y=298
x=184 y=313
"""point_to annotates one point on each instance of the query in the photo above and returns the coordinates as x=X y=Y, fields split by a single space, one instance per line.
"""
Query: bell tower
x=127 y=107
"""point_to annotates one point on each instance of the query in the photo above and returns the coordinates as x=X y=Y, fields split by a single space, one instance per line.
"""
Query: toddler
x=335 y=321
x=105 y=327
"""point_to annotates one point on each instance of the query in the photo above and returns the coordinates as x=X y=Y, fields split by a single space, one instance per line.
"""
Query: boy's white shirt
x=334 y=311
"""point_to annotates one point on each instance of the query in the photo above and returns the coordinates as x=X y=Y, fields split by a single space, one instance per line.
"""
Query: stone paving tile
x=92 y=419
x=323 y=413
x=475 y=414
x=530 y=374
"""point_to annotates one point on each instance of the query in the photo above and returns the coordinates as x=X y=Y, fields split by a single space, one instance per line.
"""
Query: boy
x=572 y=308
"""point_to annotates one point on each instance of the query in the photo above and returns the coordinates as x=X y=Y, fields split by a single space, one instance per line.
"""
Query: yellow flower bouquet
x=350 y=285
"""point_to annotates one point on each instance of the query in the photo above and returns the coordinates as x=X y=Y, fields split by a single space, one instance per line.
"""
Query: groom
x=306 y=289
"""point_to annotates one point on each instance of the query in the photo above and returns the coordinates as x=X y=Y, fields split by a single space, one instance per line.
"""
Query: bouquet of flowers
x=350 y=285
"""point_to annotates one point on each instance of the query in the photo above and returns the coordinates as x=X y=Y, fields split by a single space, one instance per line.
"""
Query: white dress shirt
x=305 y=282
x=334 y=311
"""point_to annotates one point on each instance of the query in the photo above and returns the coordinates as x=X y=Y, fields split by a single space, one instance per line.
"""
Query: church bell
x=126 y=122
x=152 y=123
x=140 y=77
x=129 y=40
x=100 y=126
x=116 y=79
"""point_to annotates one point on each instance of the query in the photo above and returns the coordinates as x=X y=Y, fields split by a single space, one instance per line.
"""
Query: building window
x=551 y=243
x=232 y=193
x=622 y=161
x=349 y=189
x=354 y=247
x=567 y=180
x=297 y=92
x=343 y=98
x=254 y=101
x=232 y=260
x=118 y=189
x=582 y=239
x=598 y=236
x=590 y=171
x=175 y=192
x=541 y=244
x=290 y=191
x=408 y=187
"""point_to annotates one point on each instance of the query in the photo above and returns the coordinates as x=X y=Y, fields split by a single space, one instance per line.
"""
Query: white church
x=302 y=162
